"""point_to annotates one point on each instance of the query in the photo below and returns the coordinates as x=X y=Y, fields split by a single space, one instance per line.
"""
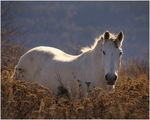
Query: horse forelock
x=113 y=39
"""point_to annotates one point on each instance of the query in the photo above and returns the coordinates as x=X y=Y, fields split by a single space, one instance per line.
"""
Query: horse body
x=53 y=68
x=42 y=65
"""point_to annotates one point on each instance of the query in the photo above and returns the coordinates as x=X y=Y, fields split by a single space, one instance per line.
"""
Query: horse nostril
x=106 y=77
x=115 y=77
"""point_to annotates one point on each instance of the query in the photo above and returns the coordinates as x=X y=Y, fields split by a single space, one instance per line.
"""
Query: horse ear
x=106 y=35
x=119 y=39
x=120 y=36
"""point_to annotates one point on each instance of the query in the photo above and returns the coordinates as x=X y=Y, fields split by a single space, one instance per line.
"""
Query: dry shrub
x=22 y=99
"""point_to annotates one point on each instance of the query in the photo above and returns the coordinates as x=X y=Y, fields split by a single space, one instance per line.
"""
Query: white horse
x=96 y=66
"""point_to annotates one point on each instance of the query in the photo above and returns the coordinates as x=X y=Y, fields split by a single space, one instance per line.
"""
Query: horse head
x=111 y=55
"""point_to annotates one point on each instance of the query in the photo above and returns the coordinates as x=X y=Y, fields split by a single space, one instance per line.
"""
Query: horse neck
x=98 y=66
x=92 y=59
x=97 y=57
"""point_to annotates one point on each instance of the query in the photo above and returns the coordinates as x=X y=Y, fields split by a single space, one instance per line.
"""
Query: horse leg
x=62 y=91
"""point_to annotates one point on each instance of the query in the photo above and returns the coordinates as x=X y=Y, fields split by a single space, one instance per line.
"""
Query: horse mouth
x=110 y=83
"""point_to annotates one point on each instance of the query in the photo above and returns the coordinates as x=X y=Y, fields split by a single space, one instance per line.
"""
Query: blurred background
x=72 y=25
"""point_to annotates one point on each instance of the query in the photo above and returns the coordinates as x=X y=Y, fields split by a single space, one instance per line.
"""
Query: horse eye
x=104 y=52
x=120 y=53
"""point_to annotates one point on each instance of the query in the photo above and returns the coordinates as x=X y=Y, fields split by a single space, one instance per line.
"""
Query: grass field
x=20 y=99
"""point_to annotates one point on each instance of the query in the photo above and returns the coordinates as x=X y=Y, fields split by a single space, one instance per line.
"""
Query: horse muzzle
x=110 y=78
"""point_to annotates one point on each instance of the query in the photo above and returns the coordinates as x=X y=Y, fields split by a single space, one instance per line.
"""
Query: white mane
x=87 y=48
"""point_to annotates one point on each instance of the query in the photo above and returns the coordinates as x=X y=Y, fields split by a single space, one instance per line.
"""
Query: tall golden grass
x=20 y=99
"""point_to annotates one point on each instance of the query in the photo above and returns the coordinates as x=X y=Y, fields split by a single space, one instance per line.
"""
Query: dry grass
x=22 y=99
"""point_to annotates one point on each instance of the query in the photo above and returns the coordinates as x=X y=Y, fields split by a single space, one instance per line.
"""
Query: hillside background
x=71 y=25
